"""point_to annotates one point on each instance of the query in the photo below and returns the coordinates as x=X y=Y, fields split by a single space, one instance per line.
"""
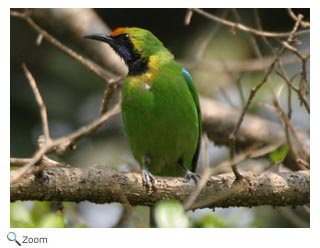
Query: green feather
x=160 y=106
x=195 y=97
x=163 y=122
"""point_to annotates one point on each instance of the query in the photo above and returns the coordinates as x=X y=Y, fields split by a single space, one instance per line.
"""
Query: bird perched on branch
x=160 y=106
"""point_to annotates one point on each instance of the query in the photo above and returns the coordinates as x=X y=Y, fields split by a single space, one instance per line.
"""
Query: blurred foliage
x=73 y=95
x=210 y=221
x=40 y=215
x=277 y=156
x=170 y=213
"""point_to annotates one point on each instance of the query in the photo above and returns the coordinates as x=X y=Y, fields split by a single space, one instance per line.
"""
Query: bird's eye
x=126 y=37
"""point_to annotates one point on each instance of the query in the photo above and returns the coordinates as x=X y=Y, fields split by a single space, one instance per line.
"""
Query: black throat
x=131 y=56
x=138 y=66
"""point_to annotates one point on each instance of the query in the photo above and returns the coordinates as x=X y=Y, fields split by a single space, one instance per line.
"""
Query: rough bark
x=103 y=185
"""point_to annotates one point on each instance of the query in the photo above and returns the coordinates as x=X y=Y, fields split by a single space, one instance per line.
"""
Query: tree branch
x=219 y=121
x=42 y=106
x=90 y=65
x=105 y=185
x=240 y=26
x=81 y=22
x=303 y=24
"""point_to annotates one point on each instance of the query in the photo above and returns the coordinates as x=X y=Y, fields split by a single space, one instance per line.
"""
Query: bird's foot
x=147 y=178
x=191 y=175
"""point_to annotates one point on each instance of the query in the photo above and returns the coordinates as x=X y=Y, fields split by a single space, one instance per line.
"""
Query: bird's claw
x=147 y=179
x=191 y=175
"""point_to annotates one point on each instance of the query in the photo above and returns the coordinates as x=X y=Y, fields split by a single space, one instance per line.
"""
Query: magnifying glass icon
x=11 y=236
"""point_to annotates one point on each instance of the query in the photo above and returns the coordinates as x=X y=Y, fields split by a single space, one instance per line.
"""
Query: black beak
x=101 y=37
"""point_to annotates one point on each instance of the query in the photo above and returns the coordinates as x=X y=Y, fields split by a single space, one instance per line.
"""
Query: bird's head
x=134 y=45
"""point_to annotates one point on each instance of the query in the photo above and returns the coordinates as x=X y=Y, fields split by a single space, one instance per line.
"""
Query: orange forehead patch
x=118 y=31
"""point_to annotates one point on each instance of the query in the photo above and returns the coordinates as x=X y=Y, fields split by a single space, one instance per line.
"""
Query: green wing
x=195 y=97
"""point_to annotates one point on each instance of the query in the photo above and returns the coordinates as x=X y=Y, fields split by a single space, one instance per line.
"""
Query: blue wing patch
x=187 y=77
x=192 y=89
x=195 y=97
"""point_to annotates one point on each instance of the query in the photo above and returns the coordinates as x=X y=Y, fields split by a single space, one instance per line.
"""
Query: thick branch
x=104 y=185
x=249 y=65
x=219 y=122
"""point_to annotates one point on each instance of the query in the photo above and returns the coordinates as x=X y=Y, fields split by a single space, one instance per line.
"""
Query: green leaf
x=170 y=213
x=19 y=215
x=277 y=156
x=52 y=220
x=209 y=221
x=39 y=210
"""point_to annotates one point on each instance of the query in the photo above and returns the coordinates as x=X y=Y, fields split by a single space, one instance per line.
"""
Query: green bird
x=160 y=105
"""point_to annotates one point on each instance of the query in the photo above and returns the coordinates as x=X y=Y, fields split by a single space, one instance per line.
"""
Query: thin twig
x=295 y=50
x=124 y=217
x=233 y=135
x=303 y=74
x=246 y=28
x=90 y=65
x=259 y=26
x=256 y=49
x=68 y=139
x=288 y=127
x=201 y=48
x=188 y=17
x=303 y=163
x=301 y=96
x=42 y=106
x=249 y=65
x=292 y=217
x=289 y=112
x=208 y=172
x=225 y=95
x=126 y=211
x=303 y=83
x=107 y=96
x=253 y=40
x=61 y=144
x=286 y=122
x=240 y=89
x=303 y=24
x=237 y=83
x=19 y=161
x=294 y=31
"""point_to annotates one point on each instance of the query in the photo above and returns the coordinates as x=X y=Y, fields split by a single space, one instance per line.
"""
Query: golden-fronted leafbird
x=160 y=106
